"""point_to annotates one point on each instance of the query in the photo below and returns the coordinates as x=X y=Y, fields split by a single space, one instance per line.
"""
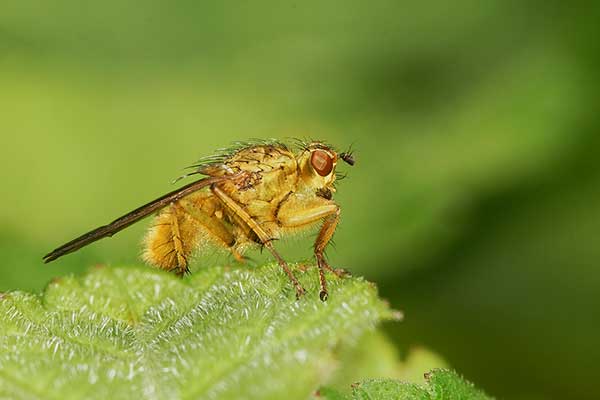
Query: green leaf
x=141 y=333
x=442 y=384
x=375 y=356
x=328 y=393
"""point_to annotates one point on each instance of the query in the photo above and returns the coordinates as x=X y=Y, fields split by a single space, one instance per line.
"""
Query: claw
x=299 y=291
x=323 y=295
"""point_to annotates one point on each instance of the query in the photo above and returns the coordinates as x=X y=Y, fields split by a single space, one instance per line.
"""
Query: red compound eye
x=321 y=162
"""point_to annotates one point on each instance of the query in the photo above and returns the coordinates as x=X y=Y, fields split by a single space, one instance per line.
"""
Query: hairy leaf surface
x=442 y=384
x=140 y=333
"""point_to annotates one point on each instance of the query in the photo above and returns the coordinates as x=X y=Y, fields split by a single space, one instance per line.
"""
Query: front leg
x=324 y=237
x=295 y=214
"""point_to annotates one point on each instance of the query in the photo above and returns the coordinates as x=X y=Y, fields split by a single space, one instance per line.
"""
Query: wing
x=132 y=217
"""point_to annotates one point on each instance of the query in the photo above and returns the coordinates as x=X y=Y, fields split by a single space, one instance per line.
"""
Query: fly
x=250 y=196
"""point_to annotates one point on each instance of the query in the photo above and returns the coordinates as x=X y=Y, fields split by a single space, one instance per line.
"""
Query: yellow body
x=277 y=194
x=250 y=196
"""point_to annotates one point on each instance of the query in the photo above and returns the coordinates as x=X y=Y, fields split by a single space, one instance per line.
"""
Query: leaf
x=141 y=333
x=442 y=384
x=376 y=356
x=419 y=359
x=328 y=393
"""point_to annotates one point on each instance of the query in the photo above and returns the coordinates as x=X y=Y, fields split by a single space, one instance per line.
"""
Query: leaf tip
x=397 y=315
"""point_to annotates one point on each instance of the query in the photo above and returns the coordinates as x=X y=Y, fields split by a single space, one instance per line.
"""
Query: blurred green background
x=475 y=201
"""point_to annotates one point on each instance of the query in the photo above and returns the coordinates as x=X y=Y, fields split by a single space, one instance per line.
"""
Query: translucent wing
x=132 y=217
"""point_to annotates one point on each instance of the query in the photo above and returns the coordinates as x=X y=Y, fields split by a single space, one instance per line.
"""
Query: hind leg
x=170 y=241
x=214 y=227
x=178 y=230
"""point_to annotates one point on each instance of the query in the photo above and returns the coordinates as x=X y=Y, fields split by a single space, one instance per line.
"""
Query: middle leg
x=260 y=232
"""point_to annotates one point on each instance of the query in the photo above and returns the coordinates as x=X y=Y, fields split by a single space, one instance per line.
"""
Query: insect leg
x=167 y=243
x=182 y=261
x=325 y=235
x=296 y=214
x=213 y=226
x=260 y=232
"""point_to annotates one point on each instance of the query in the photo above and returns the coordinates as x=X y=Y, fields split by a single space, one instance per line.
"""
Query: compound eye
x=321 y=162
